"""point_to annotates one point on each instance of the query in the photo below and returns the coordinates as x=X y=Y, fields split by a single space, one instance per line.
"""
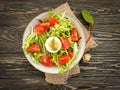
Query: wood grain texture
x=101 y=73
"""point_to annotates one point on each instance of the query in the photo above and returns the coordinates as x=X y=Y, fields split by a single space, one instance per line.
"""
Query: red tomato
x=39 y=29
x=65 y=42
x=46 y=60
x=34 y=48
x=63 y=59
x=74 y=34
x=70 y=54
x=46 y=25
x=52 y=21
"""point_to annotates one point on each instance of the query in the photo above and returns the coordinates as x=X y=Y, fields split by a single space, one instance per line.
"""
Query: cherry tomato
x=63 y=59
x=65 y=42
x=46 y=60
x=52 y=21
x=34 y=48
x=70 y=54
x=39 y=29
x=74 y=34
x=46 y=25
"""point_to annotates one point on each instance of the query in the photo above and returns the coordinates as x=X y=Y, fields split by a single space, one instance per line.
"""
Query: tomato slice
x=46 y=25
x=63 y=59
x=74 y=34
x=34 y=48
x=65 y=42
x=52 y=21
x=70 y=54
x=39 y=29
x=46 y=60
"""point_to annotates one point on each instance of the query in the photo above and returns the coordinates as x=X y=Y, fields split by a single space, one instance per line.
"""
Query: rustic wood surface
x=101 y=73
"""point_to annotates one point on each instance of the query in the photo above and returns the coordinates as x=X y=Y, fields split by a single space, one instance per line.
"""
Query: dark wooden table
x=101 y=73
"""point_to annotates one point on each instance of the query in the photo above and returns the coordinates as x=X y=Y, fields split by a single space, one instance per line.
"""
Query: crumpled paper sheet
x=62 y=78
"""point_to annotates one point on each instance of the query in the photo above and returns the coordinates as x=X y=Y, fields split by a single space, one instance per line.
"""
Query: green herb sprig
x=89 y=19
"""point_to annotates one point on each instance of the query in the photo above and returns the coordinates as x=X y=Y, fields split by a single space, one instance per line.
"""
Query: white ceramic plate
x=54 y=70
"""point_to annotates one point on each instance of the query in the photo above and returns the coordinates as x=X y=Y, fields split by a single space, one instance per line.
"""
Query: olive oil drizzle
x=53 y=44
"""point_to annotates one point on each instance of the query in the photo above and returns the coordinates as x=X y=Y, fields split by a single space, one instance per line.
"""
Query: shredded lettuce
x=62 y=28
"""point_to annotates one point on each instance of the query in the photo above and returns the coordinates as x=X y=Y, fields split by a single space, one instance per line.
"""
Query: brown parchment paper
x=62 y=78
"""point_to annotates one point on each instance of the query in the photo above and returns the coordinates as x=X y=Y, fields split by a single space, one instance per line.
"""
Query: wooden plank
x=22 y=12
x=18 y=66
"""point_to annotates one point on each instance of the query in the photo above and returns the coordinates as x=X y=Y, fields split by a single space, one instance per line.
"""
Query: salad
x=53 y=42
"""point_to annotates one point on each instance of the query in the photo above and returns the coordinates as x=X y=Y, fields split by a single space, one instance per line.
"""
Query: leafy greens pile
x=62 y=28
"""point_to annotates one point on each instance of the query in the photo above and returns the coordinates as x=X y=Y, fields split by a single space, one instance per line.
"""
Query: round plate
x=55 y=69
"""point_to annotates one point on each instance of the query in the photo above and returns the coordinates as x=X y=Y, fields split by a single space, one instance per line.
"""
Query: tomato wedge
x=52 y=21
x=65 y=42
x=63 y=59
x=46 y=60
x=34 y=48
x=39 y=29
x=46 y=25
x=74 y=34
x=70 y=54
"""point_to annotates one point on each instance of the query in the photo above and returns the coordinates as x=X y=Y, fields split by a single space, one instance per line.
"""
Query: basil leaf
x=88 y=17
